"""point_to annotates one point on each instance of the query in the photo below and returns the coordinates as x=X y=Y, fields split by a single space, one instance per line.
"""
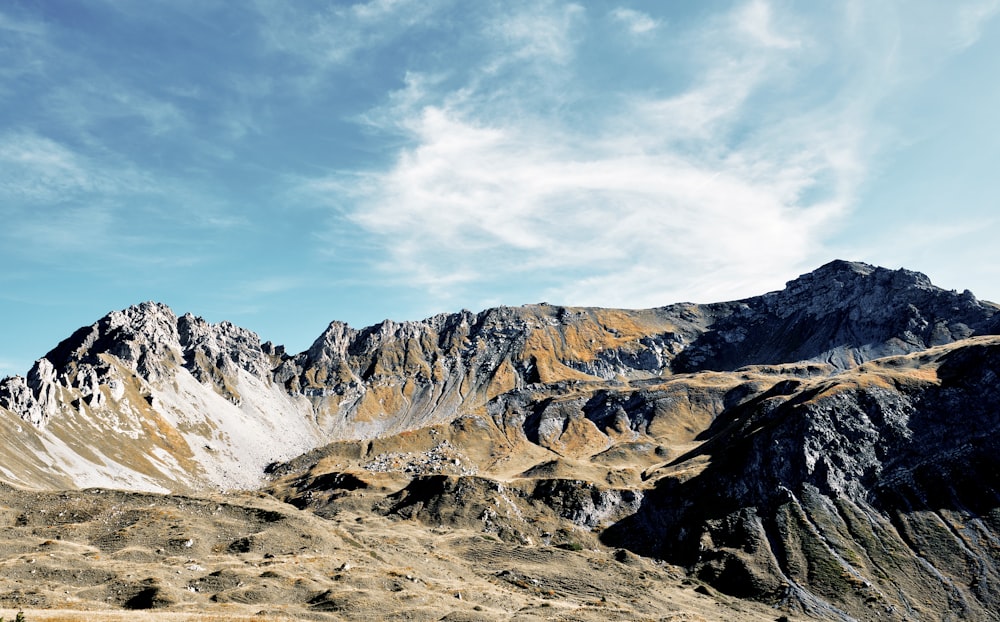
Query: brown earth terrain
x=829 y=451
x=101 y=554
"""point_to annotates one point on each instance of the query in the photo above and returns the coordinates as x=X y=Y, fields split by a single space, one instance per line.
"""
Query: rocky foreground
x=828 y=451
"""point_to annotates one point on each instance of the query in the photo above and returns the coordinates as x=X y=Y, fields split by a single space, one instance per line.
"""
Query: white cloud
x=481 y=196
x=636 y=21
x=756 y=21
x=700 y=112
x=541 y=33
x=727 y=185
x=36 y=169
x=473 y=202
x=971 y=19
x=337 y=35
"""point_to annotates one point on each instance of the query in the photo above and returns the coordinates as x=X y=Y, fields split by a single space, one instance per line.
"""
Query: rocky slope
x=105 y=555
x=147 y=400
x=828 y=448
x=866 y=494
x=870 y=494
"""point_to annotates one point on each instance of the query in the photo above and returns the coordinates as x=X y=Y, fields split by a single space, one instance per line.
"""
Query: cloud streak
x=333 y=37
x=657 y=194
x=481 y=196
x=636 y=21
x=37 y=169
x=58 y=201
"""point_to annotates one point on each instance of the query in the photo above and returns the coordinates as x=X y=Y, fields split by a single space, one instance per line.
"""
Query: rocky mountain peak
x=823 y=448
x=333 y=343
x=129 y=334
x=396 y=376
x=843 y=313
x=845 y=266
x=142 y=337
x=219 y=346
x=840 y=284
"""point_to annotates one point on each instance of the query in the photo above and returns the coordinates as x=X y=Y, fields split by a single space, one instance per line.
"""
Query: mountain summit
x=149 y=400
x=829 y=447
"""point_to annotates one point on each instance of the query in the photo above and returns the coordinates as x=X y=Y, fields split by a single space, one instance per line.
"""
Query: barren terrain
x=829 y=451
x=91 y=554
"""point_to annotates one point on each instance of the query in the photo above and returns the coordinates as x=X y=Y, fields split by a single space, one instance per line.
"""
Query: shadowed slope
x=875 y=490
x=829 y=448
x=147 y=400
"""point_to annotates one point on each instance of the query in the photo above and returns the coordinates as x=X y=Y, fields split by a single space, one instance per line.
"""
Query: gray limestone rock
x=831 y=446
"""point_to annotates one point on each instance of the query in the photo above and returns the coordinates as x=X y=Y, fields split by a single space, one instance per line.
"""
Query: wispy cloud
x=473 y=204
x=109 y=100
x=66 y=231
x=97 y=239
x=271 y=285
x=636 y=21
x=37 y=169
x=645 y=197
x=21 y=37
x=84 y=104
x=756 y=20
x=87 y=152
x=332 y=37
x=17 y=26
x=686 y=180
x=543 y=32
x=970 y=20
x=59 y=201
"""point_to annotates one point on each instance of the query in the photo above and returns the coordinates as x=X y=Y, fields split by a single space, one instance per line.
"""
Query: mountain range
x=828 y=450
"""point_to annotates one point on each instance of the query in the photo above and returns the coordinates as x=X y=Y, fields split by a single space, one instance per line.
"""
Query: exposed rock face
x=866 y=494
x=831 y=446
x=145 y=373
x=875 y=490
x=843 y=314
x=144 y=399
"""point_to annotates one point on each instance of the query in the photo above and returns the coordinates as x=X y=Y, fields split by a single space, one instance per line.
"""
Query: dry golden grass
x=62 y=615
x=87 y=555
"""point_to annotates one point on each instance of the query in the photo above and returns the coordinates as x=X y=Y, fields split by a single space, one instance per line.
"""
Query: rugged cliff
x=830 y=447
x=146 y=399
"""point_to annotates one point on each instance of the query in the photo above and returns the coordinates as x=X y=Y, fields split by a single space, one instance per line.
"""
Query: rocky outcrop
x=146 y=399
x=843 y=314
x=873 y=492
x=830 y=447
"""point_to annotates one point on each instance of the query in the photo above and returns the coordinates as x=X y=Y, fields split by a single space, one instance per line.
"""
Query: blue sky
x=284 y=164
